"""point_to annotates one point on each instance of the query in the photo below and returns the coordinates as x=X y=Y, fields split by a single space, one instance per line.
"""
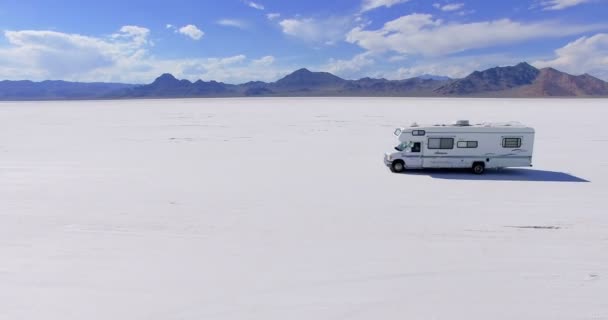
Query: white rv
x=462 y=145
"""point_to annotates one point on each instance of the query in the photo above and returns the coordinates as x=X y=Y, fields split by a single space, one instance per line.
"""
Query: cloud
x=120 y=57
x=57 y=55
x=264 y=61
x=453 y=67
x=192 y=31
x=584 y=55
x=255 y=5
x=232 y=23
x=368 y=5
x=138 y=35
x=230 y=60
x=272 y=16
x=420 y=34
x=370 y=64
x=326 y=31
x=237 y=69
x=169 y=26
x=449 y=6
x=349 y=68
x=560 y=4
x=397 y=58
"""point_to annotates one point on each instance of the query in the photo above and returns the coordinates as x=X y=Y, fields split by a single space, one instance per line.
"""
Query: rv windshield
x=402 y=146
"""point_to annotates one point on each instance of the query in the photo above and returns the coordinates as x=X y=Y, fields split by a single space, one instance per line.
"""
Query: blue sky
x=240 y=40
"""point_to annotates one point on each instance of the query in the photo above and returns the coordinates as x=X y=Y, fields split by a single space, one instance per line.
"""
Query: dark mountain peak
x=427 y=76
x=493 y=79
x=306 y=78
x=166 y=79
x=254 y=83
x=524 y=65
x=370 y=80
x=302 y=71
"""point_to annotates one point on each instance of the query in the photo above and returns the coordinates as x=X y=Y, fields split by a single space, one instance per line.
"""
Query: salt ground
x=283 y=209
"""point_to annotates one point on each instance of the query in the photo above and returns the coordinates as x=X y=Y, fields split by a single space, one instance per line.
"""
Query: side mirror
x=397 y=132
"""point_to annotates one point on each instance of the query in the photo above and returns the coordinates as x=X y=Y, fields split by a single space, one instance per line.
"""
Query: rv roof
x=477 y=126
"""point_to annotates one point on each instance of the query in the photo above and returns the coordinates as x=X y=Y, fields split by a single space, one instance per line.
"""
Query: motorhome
x=462 y=145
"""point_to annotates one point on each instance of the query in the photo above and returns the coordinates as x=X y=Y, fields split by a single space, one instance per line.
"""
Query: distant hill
x=303 y=79
x=302 y=82
x=167 y=86
x=551 y=82
x=495 y=79
x=521 y=80
x=57 y=90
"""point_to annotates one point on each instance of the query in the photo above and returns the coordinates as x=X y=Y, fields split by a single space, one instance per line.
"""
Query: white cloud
x=584 y=55
x=138 y=35
x=263 y=61
x=349 y=68
x=192 y=31
x=421 y=34
x=230 y=60
x=272 y=16
x=397 y=58
x=121 y=57
x=326 y=31
x=449 y=6
x=370 y=64
x=368 y=5
x=237 y=69
x=255 y=5
x=232 y=23
x=453 y=67
x=437 y=69
x=56 y=55
x=560 y=4
x=169 y=26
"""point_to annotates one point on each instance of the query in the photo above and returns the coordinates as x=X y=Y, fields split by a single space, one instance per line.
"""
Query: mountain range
x=520 y=81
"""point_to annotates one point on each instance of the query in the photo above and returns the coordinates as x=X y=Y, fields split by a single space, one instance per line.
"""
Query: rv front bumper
x=387 y=162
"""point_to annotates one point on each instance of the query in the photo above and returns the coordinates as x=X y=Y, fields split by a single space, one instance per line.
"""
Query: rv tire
x=398 y=166
x=478 y=167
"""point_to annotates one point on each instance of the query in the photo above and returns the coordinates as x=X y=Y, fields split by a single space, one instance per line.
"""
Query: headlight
x=389 y=157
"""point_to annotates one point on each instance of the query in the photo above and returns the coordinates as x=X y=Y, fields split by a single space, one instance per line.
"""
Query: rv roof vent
x=462 y=123
x=414 y=124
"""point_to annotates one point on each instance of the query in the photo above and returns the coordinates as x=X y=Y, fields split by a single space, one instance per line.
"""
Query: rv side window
x=467 y=144
x=441 y=143
x=418 y=132
x=511 y=142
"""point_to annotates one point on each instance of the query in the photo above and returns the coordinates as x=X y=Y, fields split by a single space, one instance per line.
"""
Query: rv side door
x=414 y=157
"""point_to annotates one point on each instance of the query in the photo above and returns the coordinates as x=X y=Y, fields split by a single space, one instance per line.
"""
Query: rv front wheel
x=398 y=166
x=478 y=167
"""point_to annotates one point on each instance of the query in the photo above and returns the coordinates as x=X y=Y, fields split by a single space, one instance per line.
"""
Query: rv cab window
x=416 y=147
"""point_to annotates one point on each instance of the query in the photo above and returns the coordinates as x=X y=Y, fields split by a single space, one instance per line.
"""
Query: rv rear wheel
x=398 y=166
x=478 y=167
